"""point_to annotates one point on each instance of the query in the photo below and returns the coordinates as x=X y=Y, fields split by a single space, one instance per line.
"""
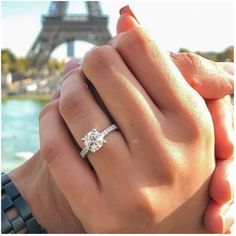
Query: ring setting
x=94 y=139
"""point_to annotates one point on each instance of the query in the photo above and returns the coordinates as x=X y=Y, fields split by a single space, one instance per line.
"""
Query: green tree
x=54 y=64
x=226 y=55
x=21 y=65
x=229 y=54
x=183 y=50
x=8 y=60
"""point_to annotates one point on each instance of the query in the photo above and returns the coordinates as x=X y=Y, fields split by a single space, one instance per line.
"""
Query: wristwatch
x=16 y=214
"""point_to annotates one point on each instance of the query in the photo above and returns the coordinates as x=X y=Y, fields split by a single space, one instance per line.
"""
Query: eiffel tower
x=60 y=27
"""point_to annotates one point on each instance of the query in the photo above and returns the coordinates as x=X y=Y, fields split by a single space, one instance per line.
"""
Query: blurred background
x=39 y=37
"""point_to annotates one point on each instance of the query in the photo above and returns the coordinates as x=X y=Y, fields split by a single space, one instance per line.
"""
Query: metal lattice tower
x=59 y=27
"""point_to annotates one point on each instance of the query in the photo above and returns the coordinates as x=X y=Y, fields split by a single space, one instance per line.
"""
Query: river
x=20 y=138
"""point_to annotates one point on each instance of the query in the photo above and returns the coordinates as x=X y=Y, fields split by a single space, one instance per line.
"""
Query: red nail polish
x=126 y=9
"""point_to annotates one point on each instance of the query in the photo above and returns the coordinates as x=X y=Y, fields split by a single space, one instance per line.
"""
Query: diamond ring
x=94 y=140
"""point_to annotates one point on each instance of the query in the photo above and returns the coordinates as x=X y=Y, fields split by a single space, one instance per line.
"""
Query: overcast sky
x=196 y=25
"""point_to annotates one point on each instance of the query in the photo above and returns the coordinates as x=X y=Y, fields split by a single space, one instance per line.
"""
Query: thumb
x=222 y=113
x=211 y=80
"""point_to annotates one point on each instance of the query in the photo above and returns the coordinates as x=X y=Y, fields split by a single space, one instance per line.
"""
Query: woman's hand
x=37 y=193
x=201 y=74
x=220 y=190
x=152 y=175
x=212 y=81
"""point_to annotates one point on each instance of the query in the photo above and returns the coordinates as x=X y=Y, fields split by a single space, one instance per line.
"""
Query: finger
x=221 y=189
x=218 y=219
x=152 y=67
x=55 y=95
x=227 y=66
x=209 y=79
x=205 y=76
x=222 y=118
x=70 y=66
x=125 y=22
x=82 y=114
x=123 y=96
x=72 y=175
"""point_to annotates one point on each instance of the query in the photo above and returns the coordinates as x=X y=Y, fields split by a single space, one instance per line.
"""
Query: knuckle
x=192 y=58
x=145 y=205
x=226 y=151
x=139 y=203
x=48 y=147
x=50 y=107
x=49 y=150
x=197 y=118
x=194 y=62
x=73 y=102
x=204 y=130
x=136 y=38
x=229 y=149
x=202 y=125
x=191 y=66
x=98 y=58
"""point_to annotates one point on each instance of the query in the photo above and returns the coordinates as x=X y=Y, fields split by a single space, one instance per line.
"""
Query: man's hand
x=141 y=178
x=212 y=81
x=49 y=206
x=53 y=218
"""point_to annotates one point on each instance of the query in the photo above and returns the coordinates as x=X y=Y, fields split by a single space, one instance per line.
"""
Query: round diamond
x=93 y=140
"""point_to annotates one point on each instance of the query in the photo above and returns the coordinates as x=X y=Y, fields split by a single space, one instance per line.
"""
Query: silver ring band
x=94 y=140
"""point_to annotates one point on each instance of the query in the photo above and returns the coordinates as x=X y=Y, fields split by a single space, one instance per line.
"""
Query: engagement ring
x=94 y=139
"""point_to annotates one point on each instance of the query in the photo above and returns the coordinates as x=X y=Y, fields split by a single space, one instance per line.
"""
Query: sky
x=196 y=25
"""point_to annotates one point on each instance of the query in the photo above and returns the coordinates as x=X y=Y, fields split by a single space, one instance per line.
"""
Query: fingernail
x=126 y=9
x=228 y=218
x=70 y=65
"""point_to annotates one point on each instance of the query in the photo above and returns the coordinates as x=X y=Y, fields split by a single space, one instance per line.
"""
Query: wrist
x=47 y=204
x=16 y=214
x=25 y=178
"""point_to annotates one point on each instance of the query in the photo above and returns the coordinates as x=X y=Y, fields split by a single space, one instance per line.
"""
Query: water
x=20 y=138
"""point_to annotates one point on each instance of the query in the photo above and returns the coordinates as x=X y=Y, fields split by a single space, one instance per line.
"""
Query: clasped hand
x=153 y=174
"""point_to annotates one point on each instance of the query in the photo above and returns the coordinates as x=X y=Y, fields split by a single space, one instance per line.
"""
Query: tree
x=229 y=54
x=21 y=65
x=7 y=60
x=226 y=55
x=183 y=50
x=54 y=64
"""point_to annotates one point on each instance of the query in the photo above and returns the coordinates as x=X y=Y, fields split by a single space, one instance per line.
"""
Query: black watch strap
x=22 y=221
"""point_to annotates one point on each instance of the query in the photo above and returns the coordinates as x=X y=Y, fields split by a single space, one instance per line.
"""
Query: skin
x=192 y=113
x=30 y=180
x=216 y=220
x=48 y=204
x=31 y=183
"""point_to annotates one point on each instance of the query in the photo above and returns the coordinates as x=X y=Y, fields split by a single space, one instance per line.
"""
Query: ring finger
x=82 y=114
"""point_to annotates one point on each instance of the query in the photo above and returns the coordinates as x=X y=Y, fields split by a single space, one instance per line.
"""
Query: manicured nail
x=229 y=217
x=126 y=9
x=70 y=65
